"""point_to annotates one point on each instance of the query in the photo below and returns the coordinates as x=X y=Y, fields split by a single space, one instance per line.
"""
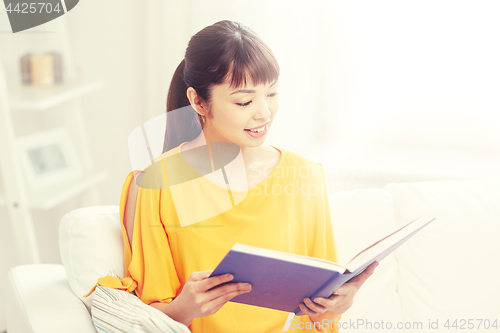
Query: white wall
x=427 y=74
x=108 y=42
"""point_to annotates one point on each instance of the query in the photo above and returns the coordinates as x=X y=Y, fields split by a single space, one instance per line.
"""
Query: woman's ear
x=195 y=101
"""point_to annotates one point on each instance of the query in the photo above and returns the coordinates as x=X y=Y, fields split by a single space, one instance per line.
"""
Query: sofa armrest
x=39 y=300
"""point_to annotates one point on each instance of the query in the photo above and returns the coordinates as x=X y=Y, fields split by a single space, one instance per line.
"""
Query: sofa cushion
x=449 y=270
x=360 y=218
x=91 y=245
x=40 y=301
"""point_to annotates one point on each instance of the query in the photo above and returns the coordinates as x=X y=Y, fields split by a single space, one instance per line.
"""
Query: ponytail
x=177 y=97
x=182 y=125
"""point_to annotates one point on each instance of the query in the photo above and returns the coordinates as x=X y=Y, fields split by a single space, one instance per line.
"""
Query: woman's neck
x=250 y=154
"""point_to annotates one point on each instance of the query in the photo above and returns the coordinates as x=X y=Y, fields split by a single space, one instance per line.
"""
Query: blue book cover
x=282 y=280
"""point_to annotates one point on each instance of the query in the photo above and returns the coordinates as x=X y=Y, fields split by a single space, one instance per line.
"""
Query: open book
x=282 y=280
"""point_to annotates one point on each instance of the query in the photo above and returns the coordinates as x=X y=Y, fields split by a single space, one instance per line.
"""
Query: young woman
x=229 y=77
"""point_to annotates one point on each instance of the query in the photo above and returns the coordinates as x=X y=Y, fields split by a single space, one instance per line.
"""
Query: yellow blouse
x=288 y=211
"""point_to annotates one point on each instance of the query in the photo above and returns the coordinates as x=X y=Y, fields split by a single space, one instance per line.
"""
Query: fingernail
x=229 y=277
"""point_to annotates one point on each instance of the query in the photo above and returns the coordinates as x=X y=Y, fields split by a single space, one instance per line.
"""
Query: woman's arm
x=128 y=218
x=200 y=296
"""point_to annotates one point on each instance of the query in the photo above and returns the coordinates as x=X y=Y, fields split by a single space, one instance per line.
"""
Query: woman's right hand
x=202 y=296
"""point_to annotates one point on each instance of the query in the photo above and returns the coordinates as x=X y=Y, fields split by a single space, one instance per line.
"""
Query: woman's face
x=236 y=110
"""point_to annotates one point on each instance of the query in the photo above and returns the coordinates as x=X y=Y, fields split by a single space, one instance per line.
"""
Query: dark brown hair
x=222 y=51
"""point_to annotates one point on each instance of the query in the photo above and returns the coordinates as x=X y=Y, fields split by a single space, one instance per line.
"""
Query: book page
x=389 y=243
x=296 y=258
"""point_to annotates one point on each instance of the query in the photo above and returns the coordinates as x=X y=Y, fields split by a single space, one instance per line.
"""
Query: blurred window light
x=428 y=74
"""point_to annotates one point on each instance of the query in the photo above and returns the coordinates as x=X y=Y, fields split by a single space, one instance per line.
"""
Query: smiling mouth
x=258 y=130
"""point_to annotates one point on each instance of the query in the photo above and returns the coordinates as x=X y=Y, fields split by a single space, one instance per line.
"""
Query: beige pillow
x=91 y=244
x=115 y=310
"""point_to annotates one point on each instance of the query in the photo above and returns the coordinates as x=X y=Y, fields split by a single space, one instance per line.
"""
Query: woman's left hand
x=341 y=300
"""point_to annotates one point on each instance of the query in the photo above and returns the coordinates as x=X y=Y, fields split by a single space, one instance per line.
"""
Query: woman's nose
x=262 y=111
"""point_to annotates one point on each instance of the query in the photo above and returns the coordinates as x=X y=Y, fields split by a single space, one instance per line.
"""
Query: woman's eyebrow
x=242 y=91
x=250 y=91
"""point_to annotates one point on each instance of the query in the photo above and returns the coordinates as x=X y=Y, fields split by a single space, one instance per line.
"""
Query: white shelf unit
x=19 y=199
x=26 y=98
x=49 y=198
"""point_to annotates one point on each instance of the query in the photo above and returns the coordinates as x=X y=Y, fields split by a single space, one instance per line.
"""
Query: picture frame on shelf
x=48 y=158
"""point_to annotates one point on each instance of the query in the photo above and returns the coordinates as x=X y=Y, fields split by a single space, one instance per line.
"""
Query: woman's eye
x=244 y=104
x=273 y=94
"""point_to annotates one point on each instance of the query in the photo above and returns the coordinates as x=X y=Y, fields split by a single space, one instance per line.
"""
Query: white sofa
x=447 y=274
